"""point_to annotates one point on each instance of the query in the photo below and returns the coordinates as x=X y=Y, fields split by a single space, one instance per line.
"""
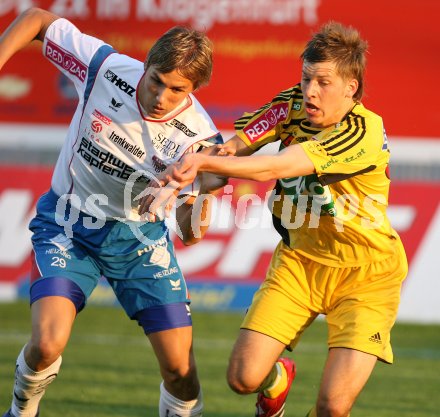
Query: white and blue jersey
x=83 y=228
x=109 y=138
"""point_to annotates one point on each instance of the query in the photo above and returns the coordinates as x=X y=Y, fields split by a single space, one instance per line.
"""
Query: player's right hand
x=186 y=170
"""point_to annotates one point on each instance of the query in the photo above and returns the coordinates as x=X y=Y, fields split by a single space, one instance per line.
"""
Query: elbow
x=34 y=12
x=41 y=18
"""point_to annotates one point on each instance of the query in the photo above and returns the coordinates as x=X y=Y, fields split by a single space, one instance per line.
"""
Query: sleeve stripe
x=293 y=93
x=341 y=135
x=95 y=64
x=240 y=123
x=354 y=133
x=349 y=146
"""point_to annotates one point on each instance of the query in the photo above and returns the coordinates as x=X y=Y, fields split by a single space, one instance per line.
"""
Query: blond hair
x=343 y=46
x=186 y=50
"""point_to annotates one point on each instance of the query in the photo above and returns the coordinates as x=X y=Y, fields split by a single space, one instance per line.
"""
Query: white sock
x=170 y=406
x=30 y=386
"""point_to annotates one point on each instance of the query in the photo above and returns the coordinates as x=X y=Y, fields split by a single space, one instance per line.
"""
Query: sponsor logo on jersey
x=309 y=195
x=166 y=146
x=106 y=120
x=167 y=272
x=54 y=251
x=115 y=105
x=122 y=142
x=66 y=60
x=89 y=133
x=375 y=338
x=105 y=161
x=355 y=156
x=158 y=164
x=175 y=284
x=161 y=242
x=329 y=163
x=266 y=121
x=183 y=128
x=96 y=126
x=119 y=82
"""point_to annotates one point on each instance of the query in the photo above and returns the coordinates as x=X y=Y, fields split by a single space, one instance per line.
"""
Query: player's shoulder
x=125 y=62
x=361 y=131
x=195 y=110
x=290 y=100
x=289 y=94
x=359 y=123
x=365 y=115
x=286 y=105
x=122 y=71
x=63 y=31
x=289 y=103
x=194 y=121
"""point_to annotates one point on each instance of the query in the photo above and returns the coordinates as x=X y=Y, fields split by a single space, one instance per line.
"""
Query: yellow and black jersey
x=337 y=215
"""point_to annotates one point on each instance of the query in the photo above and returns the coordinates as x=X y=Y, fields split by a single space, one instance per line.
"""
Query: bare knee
x=241 y=385
x=181 y=381
x=179 y=372
x=240 y=381
x=333 y=407
x=42 y=351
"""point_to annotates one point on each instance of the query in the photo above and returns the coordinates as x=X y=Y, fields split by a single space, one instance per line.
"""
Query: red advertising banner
x=257 y=49
x=240 y=240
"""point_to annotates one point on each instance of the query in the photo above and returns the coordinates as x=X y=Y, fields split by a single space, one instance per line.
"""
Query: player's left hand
x=162 y=195
x=158 y=200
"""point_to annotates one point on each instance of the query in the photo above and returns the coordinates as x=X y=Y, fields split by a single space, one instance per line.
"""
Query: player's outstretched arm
x=290 y=162
x=163 y=194
x=28 y=26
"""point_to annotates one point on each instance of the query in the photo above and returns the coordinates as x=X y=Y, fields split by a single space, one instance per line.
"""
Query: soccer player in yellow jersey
x=338 y=255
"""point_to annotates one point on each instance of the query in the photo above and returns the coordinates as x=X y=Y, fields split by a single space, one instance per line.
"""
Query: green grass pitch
x=109 y=368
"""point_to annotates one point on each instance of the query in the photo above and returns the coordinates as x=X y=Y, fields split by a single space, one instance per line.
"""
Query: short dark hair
x=186 y=50
x=342 y=45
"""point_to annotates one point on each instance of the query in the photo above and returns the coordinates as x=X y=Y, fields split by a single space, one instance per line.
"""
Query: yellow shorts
x=360 y=303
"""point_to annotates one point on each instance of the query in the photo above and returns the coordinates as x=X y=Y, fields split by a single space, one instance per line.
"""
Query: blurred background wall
x=257 y=49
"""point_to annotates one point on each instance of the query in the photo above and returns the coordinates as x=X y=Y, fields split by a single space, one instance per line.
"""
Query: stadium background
x=257 y=47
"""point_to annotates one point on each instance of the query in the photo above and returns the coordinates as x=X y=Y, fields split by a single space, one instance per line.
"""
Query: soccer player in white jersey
x=133 y=120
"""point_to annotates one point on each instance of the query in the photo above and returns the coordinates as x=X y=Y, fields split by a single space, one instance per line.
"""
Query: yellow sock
x=279 y=381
